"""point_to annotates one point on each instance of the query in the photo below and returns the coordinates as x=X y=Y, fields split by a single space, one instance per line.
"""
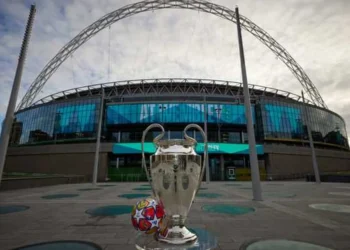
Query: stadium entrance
x=227 y=162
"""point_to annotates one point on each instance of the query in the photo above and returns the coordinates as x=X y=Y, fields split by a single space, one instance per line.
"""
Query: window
x=286 y=120
x=58 y=121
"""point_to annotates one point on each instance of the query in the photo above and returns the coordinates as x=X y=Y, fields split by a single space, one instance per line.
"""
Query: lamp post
x=207 y=173
x=218 y=111
x=162 y=108
x=255 y=172
x=98 y=139
x=8 y=121
x=117 y=163
x=56 y=125
x=311 y=142
x=222 y=165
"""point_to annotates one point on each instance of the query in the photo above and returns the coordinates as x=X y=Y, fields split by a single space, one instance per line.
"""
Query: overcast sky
x=181 y=43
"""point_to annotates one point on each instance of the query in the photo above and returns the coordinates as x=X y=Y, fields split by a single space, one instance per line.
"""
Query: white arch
x=150 y=5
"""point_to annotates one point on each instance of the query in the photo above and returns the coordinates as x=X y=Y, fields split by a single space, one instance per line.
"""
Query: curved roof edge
x=91 y=89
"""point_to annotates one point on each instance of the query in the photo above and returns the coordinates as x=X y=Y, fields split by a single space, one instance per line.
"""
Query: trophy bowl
x=175 y=174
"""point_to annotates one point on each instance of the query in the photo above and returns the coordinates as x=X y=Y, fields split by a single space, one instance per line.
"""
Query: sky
x=180 y=43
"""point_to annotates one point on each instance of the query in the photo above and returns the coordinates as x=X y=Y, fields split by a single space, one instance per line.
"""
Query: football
x=147 y=216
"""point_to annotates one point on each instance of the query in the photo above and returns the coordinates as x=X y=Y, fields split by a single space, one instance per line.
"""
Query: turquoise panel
x=213 y=148
x=176 y=113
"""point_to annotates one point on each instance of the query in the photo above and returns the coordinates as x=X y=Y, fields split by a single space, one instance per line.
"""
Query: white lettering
x=213 y=147
x=171 y=105
x=211 y=109
x=152 y=108
x=144 y=112
x=147 y=110
x=196 y=106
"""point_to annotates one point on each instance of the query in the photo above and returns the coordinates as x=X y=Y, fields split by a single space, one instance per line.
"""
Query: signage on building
x=213 y=148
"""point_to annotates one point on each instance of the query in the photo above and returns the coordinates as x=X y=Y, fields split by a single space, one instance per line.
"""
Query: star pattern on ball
x=155 y=221
x=153 y=203
x=139 y=215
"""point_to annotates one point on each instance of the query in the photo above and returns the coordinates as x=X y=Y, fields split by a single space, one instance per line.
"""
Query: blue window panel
x=75 y=118
x=70 y=117
x=281 y=118
x=175 y=113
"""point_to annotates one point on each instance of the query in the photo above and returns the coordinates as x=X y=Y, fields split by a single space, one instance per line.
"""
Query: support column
x=311 y=141
x=222 y=167
x=218 y=120
x=207 y=173
x=7 y=124
x=98 y=139
x=117 y=165
x=254 y=168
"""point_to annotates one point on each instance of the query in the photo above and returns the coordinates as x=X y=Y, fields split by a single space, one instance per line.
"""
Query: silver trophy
x=175 y=174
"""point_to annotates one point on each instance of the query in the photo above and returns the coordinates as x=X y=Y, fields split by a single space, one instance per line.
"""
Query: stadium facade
x=58 y=134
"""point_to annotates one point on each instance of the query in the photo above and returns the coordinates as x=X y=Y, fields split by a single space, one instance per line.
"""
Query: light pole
x=7 y=124
x=98 y=139
x=207 y=173
x=218 y=111
x=117 y=163
x=162 y=108
x=222 y=165
x=255 y=172
x=311 y=141
x=56 y=125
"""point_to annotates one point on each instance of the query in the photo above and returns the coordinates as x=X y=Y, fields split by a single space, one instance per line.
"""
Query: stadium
x=58 y=134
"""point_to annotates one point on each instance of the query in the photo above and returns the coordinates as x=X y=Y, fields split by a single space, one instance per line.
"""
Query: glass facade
x=281 y=120
x=274 y=119
x=175 y=113
x=57 y=121
x=284 y=120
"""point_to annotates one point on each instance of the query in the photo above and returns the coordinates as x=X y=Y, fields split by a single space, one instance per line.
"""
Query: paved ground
x=284 y=213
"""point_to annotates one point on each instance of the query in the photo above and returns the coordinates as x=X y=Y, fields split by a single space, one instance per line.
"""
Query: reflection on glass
x=175 y=113
x=234 y=137
x=58 y=121
x=288 y=120
x=273 y=119
x=176 y=135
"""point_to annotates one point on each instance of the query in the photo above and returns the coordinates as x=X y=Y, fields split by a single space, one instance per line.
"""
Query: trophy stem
x=178 y=235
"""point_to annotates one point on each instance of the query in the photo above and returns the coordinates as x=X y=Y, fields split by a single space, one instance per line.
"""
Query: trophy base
x=204 y=241
x=178 y=236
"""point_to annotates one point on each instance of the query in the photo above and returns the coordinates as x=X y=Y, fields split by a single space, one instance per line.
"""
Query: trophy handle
x=205 y=148
x=157 y=138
